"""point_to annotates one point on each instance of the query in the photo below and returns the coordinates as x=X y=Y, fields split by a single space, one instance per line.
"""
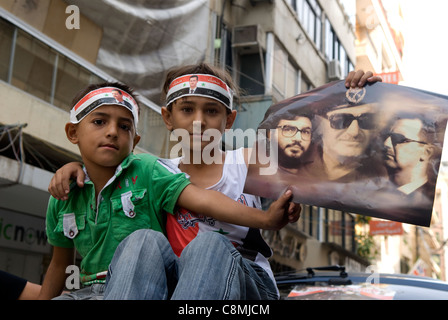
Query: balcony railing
x=36 y=64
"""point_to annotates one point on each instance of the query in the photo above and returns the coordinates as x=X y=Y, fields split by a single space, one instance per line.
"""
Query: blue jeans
x=92 y=292
x=210 y=268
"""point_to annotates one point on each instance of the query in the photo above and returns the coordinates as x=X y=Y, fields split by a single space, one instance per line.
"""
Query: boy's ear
x=230 y=119
x=166 y=116
x=136 y=140
x=71 y=132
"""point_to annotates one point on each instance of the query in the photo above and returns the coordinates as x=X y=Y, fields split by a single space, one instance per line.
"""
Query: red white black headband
x=103 y=96
x=202 y=85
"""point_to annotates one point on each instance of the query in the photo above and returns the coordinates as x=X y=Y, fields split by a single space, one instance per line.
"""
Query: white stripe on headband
x=102 y=96
x=207 y=86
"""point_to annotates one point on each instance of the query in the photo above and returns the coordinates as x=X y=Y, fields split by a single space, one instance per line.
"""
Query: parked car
x=334 y=283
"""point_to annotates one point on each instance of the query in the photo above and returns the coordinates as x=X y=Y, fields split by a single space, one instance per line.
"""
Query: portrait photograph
x=374 y=151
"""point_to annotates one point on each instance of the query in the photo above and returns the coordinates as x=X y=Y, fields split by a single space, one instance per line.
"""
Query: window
x=278 y=77
x=33 y=66
x=284 y=79
x=293 y=4
x=343 y=59
x=340 y=229
x=309 y=14
x=334 y=50
x=70 y=78
x=305 y=84
x=327 y=225
x=291 y=80
x=247 y=67
x=329 y=40
x=6 y=35
x=314 y=221
x=251 y=75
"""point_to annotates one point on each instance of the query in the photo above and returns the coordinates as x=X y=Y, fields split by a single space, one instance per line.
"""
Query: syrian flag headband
x=107 y=95
x=207 y=86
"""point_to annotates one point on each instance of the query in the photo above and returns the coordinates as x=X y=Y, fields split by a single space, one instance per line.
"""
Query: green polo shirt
x=136 y=197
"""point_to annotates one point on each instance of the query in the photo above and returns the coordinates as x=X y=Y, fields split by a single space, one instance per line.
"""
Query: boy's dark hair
x=200 y=68
x=95 y=86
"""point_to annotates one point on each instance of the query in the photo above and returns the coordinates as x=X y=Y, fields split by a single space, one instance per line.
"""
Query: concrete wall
x=27 y=195
x=44 y=120
x=35 y=13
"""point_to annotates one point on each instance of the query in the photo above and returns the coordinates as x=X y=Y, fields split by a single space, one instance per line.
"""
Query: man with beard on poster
x=293 y=135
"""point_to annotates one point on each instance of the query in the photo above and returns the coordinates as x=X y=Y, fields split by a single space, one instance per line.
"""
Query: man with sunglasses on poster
x=346 y=132
x=406 y=192
x=408 y=151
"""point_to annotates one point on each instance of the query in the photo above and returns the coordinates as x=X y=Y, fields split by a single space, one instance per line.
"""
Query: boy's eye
x=187 y=109
x=212 y=111
x=98 y=121
x=126 y=127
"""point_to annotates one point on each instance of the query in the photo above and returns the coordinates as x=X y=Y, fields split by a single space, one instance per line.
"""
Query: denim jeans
x=210 y=268
x=92 y=292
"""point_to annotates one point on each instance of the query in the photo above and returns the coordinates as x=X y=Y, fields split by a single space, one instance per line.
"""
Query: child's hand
x=283 y=211
x=359 y=79
x=294 y=211
x=60 y=183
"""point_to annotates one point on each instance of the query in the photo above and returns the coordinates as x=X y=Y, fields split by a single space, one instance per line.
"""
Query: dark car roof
x=339 y=284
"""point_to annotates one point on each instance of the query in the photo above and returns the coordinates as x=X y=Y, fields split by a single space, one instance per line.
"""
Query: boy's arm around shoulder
x=54 y=281
x=59 y=186
x=216 y=205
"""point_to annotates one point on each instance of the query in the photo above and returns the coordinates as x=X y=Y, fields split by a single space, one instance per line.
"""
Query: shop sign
x=385 y=228
x=24 y=232
x=391 y=77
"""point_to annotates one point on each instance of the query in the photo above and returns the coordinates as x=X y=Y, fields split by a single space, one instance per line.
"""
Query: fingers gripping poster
x=374 y=151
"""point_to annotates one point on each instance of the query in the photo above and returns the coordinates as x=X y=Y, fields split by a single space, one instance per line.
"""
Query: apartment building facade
x=275 y=50
x=50 y=49
x=380 y=46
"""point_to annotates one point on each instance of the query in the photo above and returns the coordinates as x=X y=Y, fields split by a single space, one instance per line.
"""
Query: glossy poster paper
x=373 y=151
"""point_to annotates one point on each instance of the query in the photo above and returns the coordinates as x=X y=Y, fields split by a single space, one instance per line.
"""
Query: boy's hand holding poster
x=374 y=151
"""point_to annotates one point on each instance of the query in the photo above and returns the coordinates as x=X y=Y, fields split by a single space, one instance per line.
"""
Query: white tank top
x=183 y=225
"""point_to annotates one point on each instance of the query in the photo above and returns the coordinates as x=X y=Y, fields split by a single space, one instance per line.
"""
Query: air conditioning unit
x=334 y=70
x=248 y=39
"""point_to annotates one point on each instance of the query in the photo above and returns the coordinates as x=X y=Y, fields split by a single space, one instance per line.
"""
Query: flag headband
x=207 y=86
x=102 y=96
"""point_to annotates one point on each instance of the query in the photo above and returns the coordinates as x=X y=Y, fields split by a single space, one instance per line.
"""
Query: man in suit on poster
x=193 y=83
x=408 y=151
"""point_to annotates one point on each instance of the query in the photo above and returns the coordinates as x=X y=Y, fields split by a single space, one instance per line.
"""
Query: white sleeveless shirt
x=183 y=226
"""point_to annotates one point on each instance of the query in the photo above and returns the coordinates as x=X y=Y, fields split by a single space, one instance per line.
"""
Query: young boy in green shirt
x=214 y=113
x=124 y=192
